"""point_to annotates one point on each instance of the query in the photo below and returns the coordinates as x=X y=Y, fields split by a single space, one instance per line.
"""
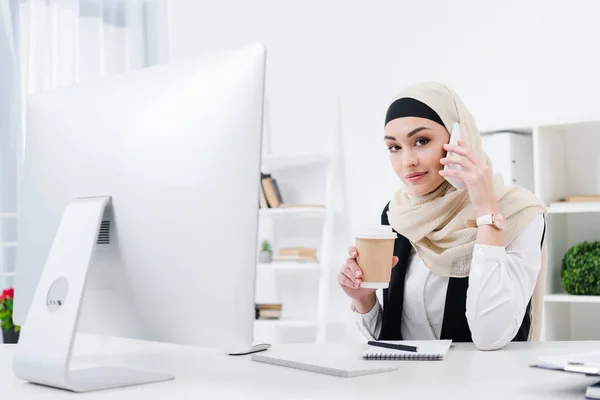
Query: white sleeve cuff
x=370 y=317
x=369 y=323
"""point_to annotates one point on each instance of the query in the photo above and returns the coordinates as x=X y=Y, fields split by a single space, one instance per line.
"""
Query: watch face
x=499 y=220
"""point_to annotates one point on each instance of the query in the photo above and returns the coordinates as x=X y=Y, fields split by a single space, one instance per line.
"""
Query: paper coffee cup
x=375 y=248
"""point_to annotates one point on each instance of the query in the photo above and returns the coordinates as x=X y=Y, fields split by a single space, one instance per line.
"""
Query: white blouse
x=501 y=284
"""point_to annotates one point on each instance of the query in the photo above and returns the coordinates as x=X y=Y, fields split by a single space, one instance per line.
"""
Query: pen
x=393 y=346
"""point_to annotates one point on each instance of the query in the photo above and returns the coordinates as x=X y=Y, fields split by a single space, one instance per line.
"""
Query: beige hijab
x=441 y=225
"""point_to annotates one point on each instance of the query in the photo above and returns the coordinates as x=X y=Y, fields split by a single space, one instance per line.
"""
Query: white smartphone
x=454 y=137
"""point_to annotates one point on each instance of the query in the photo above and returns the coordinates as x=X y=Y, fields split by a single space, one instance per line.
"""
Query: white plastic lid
x=377 y=232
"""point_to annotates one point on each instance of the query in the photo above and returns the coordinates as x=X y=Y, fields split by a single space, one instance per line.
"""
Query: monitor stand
x=46 y=340
x=257 y=348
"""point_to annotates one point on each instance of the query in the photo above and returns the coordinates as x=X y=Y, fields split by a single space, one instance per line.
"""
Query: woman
x=469 y=263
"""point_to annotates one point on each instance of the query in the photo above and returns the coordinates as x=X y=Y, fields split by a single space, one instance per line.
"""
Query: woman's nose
x=409 y=159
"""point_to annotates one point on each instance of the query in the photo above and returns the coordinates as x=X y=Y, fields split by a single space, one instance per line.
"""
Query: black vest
x=454 y=325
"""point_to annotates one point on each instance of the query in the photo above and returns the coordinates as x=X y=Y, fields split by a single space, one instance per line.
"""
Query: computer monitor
x=138 y=214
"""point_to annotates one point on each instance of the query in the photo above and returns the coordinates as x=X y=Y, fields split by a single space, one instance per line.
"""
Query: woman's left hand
x=476 y=175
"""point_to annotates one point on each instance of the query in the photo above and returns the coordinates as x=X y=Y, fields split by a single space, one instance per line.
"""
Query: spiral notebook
x=426 y=350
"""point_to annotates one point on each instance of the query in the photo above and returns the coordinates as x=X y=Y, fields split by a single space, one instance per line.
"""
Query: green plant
x=6 y=310
x=580 y=271
x=265 y=246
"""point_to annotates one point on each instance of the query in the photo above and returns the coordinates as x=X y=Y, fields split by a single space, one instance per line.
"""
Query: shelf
x=573 y=207
x=8 y=215
x=295 y=211
x=285 y=323
x=6 y=274
x=569 y=298
x=290 y=266
x=8 y=244
x=590 y=125
x=292 y=161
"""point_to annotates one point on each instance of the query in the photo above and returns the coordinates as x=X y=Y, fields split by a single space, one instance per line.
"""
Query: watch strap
x=487 y=219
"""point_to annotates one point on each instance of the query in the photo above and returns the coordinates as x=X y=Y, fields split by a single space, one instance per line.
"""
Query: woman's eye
x=421 y=141
x=394 y=148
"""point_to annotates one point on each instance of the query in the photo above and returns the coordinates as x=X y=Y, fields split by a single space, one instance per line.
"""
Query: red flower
x=7 y=294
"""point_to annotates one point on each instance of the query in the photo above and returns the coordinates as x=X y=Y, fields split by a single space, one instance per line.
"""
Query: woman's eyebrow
x=409 y=135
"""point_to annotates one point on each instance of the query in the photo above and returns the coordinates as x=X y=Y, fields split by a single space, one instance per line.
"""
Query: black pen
x=393 y=346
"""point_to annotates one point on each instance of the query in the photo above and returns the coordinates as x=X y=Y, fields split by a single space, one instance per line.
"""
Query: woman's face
x=416 y=147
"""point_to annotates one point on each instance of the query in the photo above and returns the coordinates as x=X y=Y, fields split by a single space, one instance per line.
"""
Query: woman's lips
x=415 y=177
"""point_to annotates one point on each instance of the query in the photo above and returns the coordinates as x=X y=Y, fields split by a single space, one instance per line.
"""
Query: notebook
x=427 y=350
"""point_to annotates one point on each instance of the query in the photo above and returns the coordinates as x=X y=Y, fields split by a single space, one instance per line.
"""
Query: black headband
x=409 y=107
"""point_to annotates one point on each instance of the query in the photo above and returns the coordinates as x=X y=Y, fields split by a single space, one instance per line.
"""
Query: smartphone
x=454 y=137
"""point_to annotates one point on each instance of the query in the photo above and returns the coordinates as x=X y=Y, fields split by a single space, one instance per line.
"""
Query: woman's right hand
x=350 y=279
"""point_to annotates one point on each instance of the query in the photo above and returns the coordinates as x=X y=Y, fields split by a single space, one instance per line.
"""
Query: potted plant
x=10 y=332
x=266 y=254
x=580 y=272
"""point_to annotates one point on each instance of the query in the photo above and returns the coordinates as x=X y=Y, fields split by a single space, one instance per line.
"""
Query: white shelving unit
x=302 y=288
x=567 y=162
x=299 y=286
x=286 y=323
x=293 y=161
x=568 y=298
x=290 y=266
x=284 y=331
x=296 y=211
x=573 y=208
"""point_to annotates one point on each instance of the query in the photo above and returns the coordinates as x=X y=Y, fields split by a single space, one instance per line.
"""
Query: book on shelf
x=270 y=195
x=301 y=206
x=271 y=191
x=263 y=200
x=581 y=198
x=267 y=311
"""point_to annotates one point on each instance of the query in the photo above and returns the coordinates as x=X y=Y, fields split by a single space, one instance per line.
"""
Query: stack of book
x=267 y=311
x=296 y=254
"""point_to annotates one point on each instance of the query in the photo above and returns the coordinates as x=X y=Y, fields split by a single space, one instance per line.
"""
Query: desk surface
x=465 y=373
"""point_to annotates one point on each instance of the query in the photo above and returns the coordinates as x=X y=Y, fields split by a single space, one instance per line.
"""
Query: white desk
x=465 y=373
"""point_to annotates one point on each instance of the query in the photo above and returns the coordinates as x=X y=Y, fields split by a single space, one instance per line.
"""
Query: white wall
x=9 y=143
x=513 y=62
